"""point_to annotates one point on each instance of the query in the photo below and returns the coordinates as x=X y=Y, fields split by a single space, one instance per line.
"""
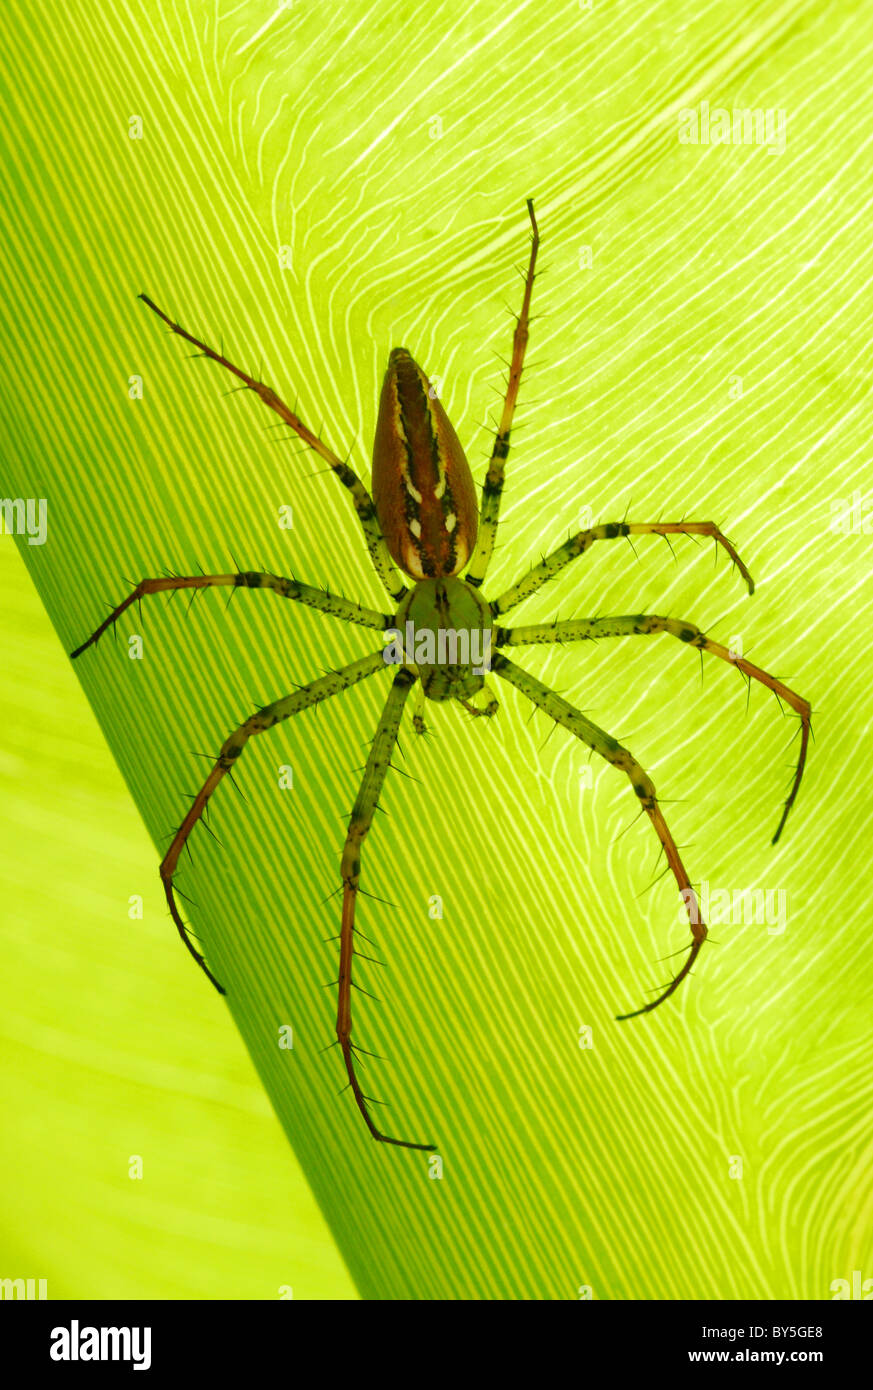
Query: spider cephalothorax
x=423 y=517
x=444 y=632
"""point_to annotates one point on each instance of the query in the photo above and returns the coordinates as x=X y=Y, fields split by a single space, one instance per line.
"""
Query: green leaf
x=312 y=187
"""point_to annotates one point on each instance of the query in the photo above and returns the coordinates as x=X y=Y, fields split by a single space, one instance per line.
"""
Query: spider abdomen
x=423 y=489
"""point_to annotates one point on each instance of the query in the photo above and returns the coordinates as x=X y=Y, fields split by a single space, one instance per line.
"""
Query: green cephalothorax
x=444 y=634
x=422 y=517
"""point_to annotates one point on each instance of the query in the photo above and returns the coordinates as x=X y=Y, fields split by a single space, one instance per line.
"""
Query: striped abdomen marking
x=422 y=486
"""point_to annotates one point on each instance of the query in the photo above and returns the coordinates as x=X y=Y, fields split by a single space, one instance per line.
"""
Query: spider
x=423 y=519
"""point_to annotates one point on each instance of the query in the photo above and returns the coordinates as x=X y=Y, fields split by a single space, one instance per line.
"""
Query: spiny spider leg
x=382 y=562
x=419 y=723
x=361 y=819
x=578 y=544
x=558 y=709
x=250 y=579
x=486 y=711
x=312 y=694
x=492 y=488
x=644 y=623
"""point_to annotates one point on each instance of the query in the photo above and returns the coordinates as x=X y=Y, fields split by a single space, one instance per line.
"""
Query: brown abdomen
x=422 y=486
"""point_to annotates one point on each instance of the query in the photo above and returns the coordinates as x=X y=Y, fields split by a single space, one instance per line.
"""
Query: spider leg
x=492 y=488
x=578 y=544
x=363 y=502
x=321 y=689
x=641 y=624
x=419 y=723
x=361 y=819
x=486 y=711
x=251 y=579
x=558 y=709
